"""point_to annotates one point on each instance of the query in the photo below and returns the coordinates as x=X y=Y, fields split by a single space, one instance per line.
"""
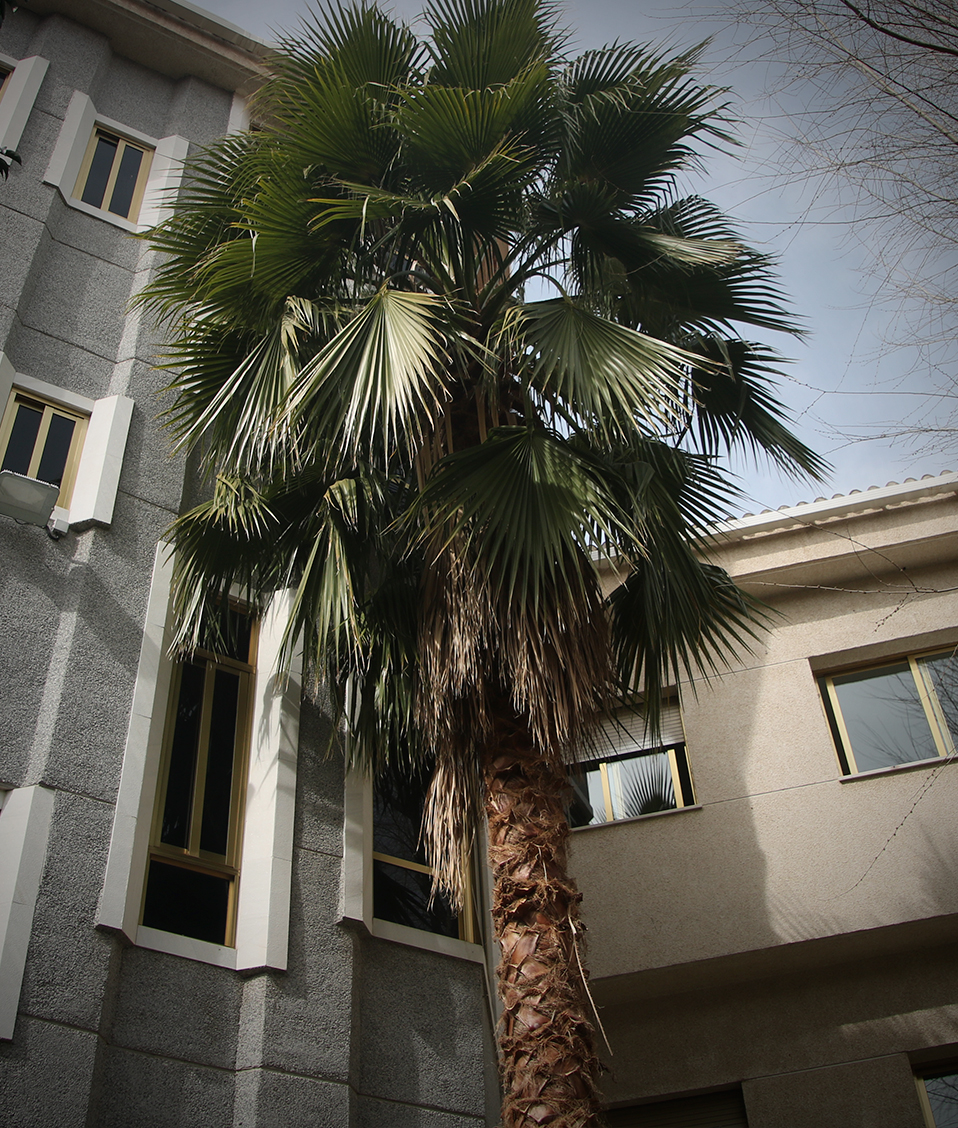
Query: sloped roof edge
x=841 y=505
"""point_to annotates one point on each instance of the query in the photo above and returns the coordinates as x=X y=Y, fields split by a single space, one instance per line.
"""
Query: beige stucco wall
x=793 y=922
x=831 y=1048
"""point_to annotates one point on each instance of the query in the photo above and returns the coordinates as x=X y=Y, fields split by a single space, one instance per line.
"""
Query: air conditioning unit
x=27 y=499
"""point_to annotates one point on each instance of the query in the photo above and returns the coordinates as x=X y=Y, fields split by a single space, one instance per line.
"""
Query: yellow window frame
x=48 y=410
x=468 y=929
x=192 y=856
x=681 y=800
x=923 y=1099
x=927 y=695
x=123 y=143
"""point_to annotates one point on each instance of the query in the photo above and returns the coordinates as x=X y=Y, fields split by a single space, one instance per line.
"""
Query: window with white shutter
x=630 y=773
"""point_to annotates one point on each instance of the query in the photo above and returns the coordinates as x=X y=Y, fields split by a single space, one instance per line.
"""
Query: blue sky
x=844 y=380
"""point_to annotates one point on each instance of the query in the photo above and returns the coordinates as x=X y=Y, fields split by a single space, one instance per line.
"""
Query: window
x=33 y=433
x=402 y=882
x=42 y=440
x=386 y=881
x=894 y=714
x=20 y=81
x=259 y=832
x=197 y=826
x=938 y=1094
x=630 y=777
x=112 y=171
x=113 y=174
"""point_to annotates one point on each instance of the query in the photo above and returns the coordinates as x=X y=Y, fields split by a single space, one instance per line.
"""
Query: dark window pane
x=99 y=174
x=641 y=785
x=214 y=834
x=23 y=439
x=125 y=184
x=398 y=802
x=588 y=803
x=884 y=717
x=227 y=632
x=181 y=779
x=187 y=902
x=402 y=896
x=943 y=1098
x=684 y=782
x=56 y=449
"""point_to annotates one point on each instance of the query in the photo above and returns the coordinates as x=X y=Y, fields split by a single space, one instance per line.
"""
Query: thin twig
x=585 y=984
x=919 y=796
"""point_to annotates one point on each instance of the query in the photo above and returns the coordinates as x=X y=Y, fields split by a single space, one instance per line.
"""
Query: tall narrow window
x=894 y=714
x=42 y=440
x=197 y=827
x=402 y=881
x=631 y=776
x=113 y=174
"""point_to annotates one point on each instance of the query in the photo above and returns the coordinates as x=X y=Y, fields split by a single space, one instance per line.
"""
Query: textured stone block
x=69 y=961
x=77 y=56
x=75 y=295
x=45 y=1075
x=36 y=352
x=267 y=1098
x=133 y=95
x=144 y=1091
x=177 y=1008
x=198 y=111
x=301 y=1021
x=421 y=1028
x=862 y=1094
x=379 y=1113
x=319 y=825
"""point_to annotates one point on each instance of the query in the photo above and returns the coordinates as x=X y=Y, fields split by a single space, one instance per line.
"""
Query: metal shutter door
x=627 y=732
x=715 y=1110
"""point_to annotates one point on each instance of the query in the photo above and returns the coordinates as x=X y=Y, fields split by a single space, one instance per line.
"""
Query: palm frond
x=735 y=405
x=487 y=43
x=604 y=373
x=379 y=382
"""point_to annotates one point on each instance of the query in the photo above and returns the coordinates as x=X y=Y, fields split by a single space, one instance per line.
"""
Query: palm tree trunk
x=547 y=1050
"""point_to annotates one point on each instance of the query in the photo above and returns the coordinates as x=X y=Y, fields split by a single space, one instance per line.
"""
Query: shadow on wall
x=686 y=885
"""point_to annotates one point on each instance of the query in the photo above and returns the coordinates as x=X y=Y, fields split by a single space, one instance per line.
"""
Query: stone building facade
x=235 y=934
x=308 y=1010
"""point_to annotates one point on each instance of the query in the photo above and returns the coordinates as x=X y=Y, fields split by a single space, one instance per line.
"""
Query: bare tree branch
x=924 y=44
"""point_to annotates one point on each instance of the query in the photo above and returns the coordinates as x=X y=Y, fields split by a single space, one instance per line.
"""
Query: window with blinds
x=630 y=774
x=713 y=1110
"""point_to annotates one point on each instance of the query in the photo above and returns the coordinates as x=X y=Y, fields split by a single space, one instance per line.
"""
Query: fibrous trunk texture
x=546 y=1040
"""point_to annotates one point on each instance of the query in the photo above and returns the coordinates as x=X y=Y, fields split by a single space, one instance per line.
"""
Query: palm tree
x=451 y=475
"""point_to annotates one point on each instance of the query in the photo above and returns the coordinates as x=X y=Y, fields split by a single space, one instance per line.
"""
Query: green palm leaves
x=450 y=476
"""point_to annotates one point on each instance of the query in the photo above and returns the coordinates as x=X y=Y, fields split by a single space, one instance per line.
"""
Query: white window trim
x=166 y=171
x=98 y=473
x=262 y=923
x=23 y=85
x=24 y=830
x=357 y=897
